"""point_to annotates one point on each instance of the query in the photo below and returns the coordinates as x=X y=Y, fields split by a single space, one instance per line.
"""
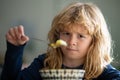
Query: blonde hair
x=90 y=16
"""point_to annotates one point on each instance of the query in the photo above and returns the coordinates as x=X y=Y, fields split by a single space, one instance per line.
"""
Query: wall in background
x=36 y=17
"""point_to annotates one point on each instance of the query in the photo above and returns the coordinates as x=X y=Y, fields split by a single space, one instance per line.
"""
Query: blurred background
x=36 y=17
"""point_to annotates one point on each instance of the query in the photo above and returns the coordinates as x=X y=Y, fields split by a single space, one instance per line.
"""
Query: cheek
x=86 y=44
x=64 y=39
x=62 y=48
x=84 y=48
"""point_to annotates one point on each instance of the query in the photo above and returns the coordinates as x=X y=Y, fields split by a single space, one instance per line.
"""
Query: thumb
x=25 y=38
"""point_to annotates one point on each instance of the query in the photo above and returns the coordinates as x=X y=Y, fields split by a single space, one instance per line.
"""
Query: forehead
x=75 y=28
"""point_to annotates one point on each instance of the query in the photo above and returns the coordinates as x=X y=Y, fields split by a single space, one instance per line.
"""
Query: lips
x=72 y=49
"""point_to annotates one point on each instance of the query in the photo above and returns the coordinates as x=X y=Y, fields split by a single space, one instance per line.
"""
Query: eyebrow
x=79 y=32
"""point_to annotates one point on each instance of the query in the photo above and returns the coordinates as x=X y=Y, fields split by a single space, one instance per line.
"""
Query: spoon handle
x=37 y=39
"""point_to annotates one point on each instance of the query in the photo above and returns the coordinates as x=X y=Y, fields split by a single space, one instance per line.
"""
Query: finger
x=17 y=35
x=10 y=39
x=11 y=33
x=21 y=30
x=8 y=36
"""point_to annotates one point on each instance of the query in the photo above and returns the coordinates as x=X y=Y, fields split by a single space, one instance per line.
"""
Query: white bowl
x=62 y=74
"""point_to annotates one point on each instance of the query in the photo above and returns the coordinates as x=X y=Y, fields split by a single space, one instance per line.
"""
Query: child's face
x=78 y=42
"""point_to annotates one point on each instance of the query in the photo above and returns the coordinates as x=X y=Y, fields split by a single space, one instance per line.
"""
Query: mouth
x=72 y=49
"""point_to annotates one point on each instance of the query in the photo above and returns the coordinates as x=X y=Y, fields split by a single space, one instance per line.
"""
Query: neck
x=72 y=62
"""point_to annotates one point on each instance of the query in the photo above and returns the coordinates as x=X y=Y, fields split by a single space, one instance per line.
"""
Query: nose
x=72 y=40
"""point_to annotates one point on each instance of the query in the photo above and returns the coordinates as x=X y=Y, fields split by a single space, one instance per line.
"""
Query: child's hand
x=16 y=36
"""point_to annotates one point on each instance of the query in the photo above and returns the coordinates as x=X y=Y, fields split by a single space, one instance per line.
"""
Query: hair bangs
x=77 y=16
